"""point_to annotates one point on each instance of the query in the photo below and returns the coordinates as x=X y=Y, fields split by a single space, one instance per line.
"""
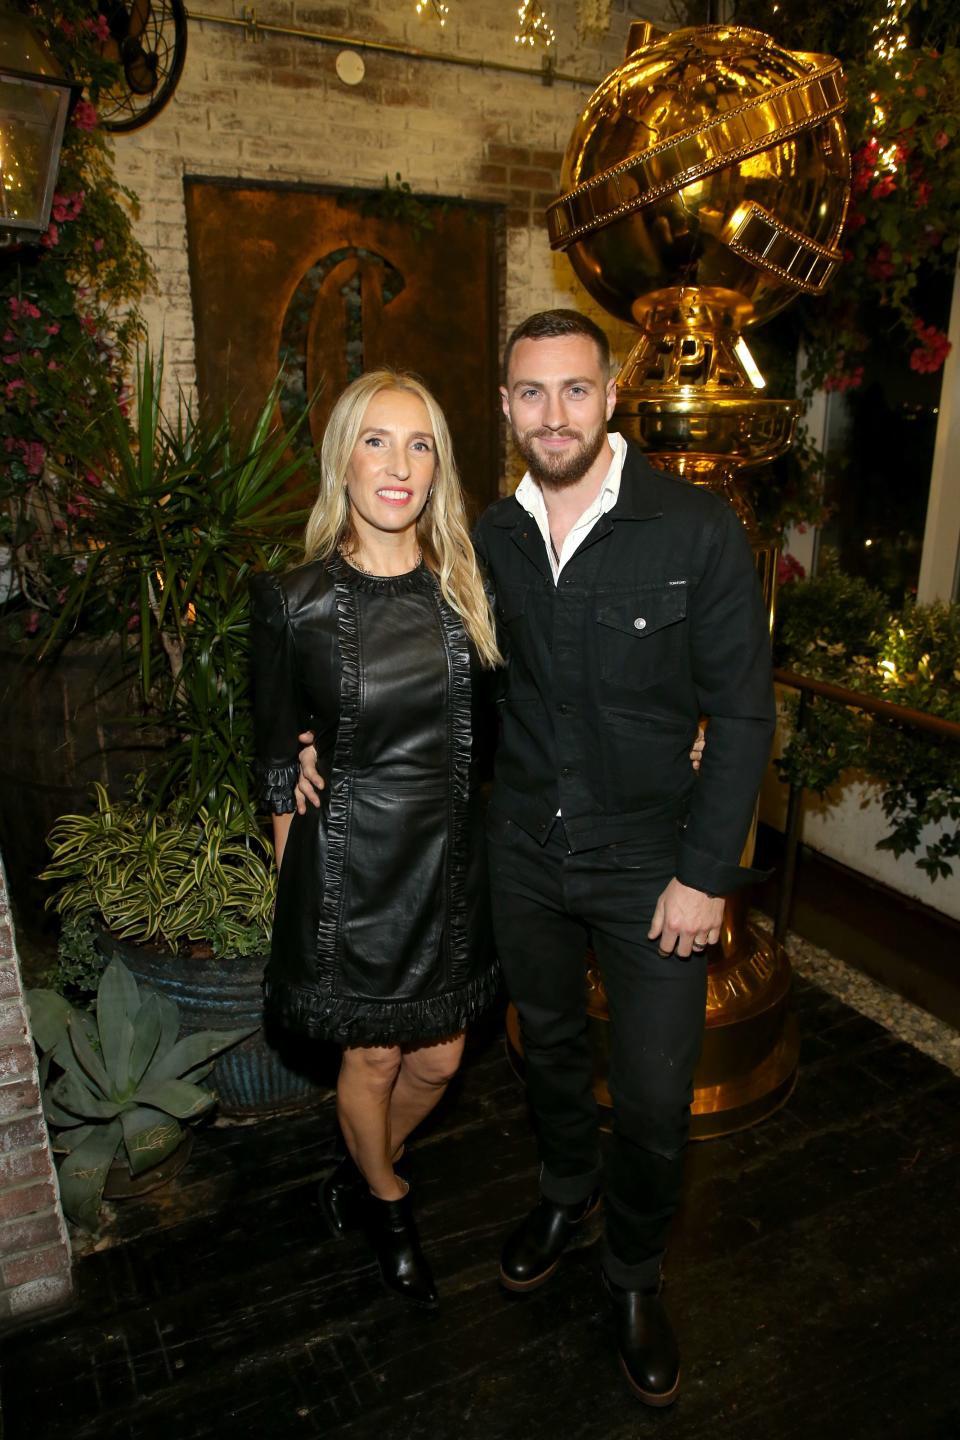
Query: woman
x=376 y=644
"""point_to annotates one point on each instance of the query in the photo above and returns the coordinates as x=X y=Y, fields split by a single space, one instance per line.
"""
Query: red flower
x=884 y=186
x=880 y=265
x=53 y=328
x=941 y=139
x=52 y=236
x=789 y=568
x=933 y=349
x=924 y=191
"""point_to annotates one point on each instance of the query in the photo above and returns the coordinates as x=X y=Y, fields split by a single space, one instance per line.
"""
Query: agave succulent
x=118 y=1082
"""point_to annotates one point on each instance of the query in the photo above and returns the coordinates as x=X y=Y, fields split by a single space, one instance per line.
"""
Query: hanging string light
x=891 y=38
x=535 y=28
x=433 y=10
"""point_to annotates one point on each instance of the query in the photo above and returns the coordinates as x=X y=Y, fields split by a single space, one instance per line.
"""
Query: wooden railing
x=856 y=699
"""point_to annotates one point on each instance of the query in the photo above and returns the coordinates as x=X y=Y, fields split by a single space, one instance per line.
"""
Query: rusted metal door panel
x=282 y=273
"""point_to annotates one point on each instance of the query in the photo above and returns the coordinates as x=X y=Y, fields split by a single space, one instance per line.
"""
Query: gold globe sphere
x=712 y=158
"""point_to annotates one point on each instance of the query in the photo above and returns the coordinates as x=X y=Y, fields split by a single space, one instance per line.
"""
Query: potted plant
x=185 y=900
x=118 y=1086
x=180 y=874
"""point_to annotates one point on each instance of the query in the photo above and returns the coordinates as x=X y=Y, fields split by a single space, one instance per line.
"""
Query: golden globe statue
x=705 y=184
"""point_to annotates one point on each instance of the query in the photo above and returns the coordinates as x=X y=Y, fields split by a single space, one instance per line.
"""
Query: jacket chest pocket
x=641 y=639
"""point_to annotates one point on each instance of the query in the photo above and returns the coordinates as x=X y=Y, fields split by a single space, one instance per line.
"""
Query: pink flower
x=941 y=139
x=12 y=386
x=52 y=365
x=24 y=308
x=84 y=115
x=98 y=245
x=33 y=622
x=53 y=328
x=67 y=207
x=52 y=236
x=33 y=456
x=13 y=358
x=93 y=479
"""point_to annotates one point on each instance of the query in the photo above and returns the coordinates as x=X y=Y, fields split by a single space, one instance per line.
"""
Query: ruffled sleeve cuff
x=275 y=786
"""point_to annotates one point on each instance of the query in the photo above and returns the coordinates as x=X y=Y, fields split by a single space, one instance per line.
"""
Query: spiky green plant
x=119 y=1082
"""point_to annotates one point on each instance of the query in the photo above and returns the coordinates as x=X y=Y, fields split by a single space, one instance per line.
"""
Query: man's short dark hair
x=548 y=325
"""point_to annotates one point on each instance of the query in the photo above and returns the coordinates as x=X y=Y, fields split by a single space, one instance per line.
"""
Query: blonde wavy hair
x=442 y=524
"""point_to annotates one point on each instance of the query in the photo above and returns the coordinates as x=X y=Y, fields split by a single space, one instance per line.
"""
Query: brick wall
x=34 y=1248
x=275 y=109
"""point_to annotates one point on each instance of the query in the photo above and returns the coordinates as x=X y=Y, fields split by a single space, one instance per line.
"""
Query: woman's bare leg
x=366 y=1084
x=425 y=1073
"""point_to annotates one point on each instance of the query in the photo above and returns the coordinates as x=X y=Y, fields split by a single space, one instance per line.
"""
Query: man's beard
x=566 y=468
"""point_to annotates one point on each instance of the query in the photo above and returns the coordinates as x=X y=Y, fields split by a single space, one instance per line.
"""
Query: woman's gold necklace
x=351 y=560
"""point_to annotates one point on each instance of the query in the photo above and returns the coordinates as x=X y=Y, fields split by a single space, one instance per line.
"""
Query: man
x=629 y=606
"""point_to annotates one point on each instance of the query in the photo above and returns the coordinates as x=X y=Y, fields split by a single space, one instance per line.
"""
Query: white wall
x=846 y=825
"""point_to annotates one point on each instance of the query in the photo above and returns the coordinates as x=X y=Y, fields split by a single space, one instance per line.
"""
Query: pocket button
x=639 y=623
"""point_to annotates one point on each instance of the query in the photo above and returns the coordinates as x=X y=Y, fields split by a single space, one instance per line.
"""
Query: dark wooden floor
x=814 y=1281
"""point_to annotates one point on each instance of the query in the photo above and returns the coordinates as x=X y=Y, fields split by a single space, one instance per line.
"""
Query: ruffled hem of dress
x=350 y=1020
x=275 y=786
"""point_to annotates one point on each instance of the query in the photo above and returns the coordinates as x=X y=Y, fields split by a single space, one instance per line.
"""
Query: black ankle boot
x=532 y=1252
x=646 y=1343
x=396 y=1244
x=341 y=1196
x=342 y=1193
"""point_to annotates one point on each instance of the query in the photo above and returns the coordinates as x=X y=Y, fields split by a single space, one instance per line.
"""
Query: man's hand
x=696 y=752
x=311 y=782
x=686 y=919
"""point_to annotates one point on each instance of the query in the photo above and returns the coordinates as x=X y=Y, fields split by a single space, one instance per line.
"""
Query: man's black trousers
x=548 y=906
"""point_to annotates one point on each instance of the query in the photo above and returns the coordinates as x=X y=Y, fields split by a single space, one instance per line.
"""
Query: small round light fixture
x=350 y=67
x=35 y=100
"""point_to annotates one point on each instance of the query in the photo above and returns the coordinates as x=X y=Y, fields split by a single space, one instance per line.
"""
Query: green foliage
x=837 y=628
x=398 y=202
x=79 y=963
x=174 y=876
x=69 y=314
x=903 y=127
x=117 y=1082
x=183 y=513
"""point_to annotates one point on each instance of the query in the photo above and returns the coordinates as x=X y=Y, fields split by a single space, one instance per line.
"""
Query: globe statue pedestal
x=705 y=184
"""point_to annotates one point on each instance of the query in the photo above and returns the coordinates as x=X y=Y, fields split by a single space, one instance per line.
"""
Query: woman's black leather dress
x=381 y=932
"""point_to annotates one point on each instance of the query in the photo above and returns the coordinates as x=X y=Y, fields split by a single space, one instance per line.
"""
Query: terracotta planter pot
x=263 y=1075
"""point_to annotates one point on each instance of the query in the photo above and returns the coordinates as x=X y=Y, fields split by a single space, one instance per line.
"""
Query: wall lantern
x=35 y=100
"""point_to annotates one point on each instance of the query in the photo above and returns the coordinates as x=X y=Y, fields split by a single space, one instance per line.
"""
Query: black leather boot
x=340 y=1197
x=396 y=1244
x=532 y=1252
x=342 y=1193
x=649 y=1356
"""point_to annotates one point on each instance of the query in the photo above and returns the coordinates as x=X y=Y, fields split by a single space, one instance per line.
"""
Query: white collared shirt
x=530 y=496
